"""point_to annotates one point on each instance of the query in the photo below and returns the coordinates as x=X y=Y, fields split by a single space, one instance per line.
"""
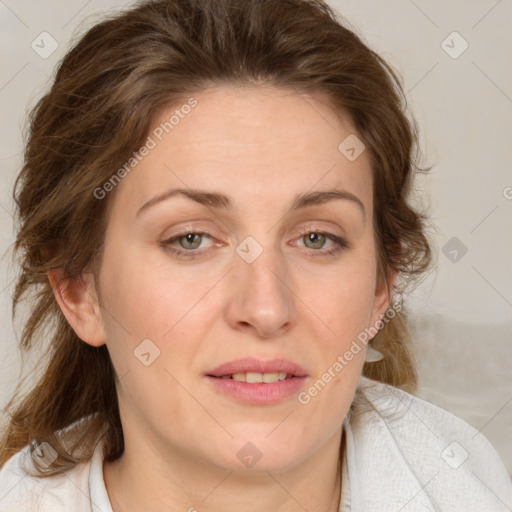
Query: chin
x=259 y=452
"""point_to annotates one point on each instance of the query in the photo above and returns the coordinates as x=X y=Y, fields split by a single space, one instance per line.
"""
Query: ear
x=78 y=301
x=383 y=294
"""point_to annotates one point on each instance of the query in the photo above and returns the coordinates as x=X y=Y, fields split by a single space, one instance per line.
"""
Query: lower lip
x=258 y=393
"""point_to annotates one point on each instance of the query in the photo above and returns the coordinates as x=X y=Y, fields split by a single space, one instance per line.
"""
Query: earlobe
x=78 y=301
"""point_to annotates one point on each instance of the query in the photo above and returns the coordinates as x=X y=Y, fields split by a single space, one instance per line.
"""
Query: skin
x=261 y=147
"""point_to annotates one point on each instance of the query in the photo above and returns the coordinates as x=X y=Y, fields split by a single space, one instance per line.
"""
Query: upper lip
x=251 y=364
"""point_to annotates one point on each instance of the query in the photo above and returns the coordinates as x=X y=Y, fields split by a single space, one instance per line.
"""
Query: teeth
x=254 y=377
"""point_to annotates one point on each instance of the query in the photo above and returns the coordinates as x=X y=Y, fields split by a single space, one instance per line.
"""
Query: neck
x=142 y=479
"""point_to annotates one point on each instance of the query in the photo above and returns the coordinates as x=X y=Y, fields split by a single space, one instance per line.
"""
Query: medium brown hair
x=99 y=110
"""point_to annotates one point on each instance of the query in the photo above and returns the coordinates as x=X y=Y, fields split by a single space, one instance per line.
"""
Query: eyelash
x=340 y=244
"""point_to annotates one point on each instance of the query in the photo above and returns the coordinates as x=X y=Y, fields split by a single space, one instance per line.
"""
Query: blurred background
x=455 y=60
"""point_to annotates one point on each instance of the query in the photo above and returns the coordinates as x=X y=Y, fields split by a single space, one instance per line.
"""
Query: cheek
x=342 y=302
x=174 y=309
x=148 y=297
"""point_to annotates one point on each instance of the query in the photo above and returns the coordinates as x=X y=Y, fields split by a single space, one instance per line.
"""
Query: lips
x=253 y=381
x=253 y=365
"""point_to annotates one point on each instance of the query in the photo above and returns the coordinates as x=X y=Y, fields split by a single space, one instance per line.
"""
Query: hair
x=99 y=109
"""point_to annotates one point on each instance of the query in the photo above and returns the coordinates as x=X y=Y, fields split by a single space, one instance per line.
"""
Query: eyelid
x=339 y=242
x=177 y=236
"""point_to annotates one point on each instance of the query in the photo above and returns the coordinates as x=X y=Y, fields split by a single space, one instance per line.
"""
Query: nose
x=261 y=298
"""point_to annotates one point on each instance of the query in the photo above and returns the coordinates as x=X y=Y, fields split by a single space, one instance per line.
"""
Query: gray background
x=463 y=103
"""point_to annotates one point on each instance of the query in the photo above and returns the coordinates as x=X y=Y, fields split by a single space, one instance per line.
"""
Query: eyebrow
x=220 y=201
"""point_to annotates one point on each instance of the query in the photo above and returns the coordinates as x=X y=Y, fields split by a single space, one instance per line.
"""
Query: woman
x=214 y=220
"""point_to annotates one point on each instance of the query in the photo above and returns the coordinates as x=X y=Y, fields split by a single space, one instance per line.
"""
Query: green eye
x=317 y=240
x=189 y=239
x=185 y=245
x=188 y=243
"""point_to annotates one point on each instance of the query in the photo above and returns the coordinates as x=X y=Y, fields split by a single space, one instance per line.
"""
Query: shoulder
x=19 y=490
x=451 y=462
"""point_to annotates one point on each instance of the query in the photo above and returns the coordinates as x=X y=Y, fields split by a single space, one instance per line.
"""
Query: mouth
x=254 y=370
x=256 y=377
x=258 y=382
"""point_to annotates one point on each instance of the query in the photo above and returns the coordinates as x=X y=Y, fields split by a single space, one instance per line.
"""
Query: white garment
x=403 y=454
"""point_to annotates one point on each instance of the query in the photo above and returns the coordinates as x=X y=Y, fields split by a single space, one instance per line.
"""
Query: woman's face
x=249 y=284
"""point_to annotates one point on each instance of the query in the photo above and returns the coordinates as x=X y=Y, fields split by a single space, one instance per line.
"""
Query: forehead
x=261 y=144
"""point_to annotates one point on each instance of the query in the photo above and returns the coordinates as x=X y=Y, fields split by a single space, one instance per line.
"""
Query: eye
x=316 y=240
x=189 y=242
